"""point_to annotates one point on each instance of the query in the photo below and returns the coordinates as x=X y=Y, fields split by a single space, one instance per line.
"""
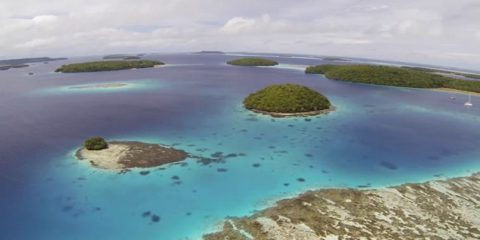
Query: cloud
x=36 y=43
x=42 y=19
x=238 y=24
x=425 y=31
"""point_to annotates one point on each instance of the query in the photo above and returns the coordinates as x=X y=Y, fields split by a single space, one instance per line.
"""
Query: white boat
x=469 y=102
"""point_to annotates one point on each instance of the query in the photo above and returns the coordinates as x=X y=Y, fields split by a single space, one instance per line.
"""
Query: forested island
x=253 y=61
x=392 y=76
x=287 y=100
x=98 y=66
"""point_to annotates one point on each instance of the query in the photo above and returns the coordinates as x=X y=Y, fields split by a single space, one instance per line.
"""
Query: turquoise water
x=378 y=136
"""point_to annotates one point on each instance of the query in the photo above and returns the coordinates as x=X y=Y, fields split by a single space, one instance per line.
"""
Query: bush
x=287 y=98
x=253 y=62
x=95 y=143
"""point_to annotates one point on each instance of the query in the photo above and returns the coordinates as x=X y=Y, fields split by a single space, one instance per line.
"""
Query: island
x=253 y=61
x=336 y=59
x=209 y=52
x=21 y=62
x=6 y=67
x=122 y=56
x=113 y=65
x=288 y=100
x=123 y=155
x=442 y=209
x=393 y=76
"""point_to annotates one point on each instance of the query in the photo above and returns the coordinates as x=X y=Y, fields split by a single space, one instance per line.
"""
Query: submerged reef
x=126 y=155
x=444 y=209
x=100 y=86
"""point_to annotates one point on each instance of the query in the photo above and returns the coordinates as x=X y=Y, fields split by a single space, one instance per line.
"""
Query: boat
x=469 y=102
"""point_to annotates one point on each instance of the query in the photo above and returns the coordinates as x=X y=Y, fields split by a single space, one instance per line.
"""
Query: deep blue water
x=378 y=136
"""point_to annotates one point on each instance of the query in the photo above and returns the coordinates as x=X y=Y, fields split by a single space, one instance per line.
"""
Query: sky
x=438 y=32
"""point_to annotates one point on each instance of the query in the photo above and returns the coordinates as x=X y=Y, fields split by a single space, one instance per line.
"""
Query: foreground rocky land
x=444 y=209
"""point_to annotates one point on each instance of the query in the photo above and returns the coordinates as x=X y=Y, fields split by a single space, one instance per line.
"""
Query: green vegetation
x=335 y=59
x=253 y=62
x=287 y=98
x=319 y=69
x=106 y=66
x=95 y=143
x=392 y=76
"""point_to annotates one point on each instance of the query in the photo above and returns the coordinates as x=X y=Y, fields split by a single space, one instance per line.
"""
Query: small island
x=210 y=52
x=20 y=61
x=288 y=100
x=122 y=56
x=253 y=62
x=114 y=65
x=6 y=67
x=393 y=76
x=339 y=59
x=121 y=155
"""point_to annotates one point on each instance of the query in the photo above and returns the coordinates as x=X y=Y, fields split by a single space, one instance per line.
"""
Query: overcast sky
x=443 y=32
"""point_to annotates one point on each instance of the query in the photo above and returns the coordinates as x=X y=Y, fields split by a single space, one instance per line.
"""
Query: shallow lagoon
x=378 y=136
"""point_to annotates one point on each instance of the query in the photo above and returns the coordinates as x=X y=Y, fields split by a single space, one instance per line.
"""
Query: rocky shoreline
x=299 y=114
x=443 y=209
